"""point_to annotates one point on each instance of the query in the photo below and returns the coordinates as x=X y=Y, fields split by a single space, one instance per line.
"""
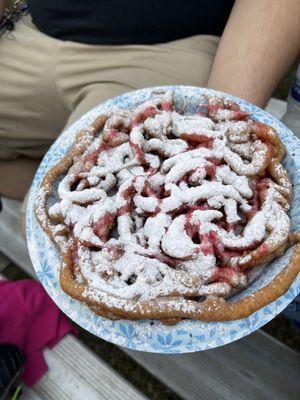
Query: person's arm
x=259 y=43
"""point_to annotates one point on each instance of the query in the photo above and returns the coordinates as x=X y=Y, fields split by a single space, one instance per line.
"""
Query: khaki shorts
x=46 y=84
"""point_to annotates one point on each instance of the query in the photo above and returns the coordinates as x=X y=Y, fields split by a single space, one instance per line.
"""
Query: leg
x=31 y=113
x=94 y=95
x=14 y=184
x=89 y=75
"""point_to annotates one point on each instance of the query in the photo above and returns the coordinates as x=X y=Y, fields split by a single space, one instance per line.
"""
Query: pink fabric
x=32 y=321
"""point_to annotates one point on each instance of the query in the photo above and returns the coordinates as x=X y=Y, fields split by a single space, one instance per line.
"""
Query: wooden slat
x=255 y=367
x=76 y=373
x=276 y=108
x=12 y=245
x=4 y=262
x=29 y=394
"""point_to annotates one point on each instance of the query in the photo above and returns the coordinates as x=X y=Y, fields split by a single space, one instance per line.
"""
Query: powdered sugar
x=162 y=189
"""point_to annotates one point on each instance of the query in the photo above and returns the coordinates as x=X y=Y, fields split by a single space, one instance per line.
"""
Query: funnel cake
x=163 y=215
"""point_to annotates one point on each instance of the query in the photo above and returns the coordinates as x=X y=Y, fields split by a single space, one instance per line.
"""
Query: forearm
x=259 y=43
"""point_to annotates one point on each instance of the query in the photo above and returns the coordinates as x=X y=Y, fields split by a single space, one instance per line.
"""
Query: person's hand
x=259 y=43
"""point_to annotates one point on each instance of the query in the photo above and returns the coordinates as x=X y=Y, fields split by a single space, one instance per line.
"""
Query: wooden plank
x=29 y=394
x=4 y=262
x=12 y=245
x=276 y=108
x=276 y=351
x=76 y=373
x=255 y=367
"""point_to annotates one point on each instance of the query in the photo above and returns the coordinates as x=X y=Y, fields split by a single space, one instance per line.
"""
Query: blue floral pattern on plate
x=153 y=336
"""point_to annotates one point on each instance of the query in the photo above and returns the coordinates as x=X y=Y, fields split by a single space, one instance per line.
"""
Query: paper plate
x=146 y=335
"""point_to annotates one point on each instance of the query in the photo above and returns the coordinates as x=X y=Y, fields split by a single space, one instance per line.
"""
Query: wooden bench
x=255 y=367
